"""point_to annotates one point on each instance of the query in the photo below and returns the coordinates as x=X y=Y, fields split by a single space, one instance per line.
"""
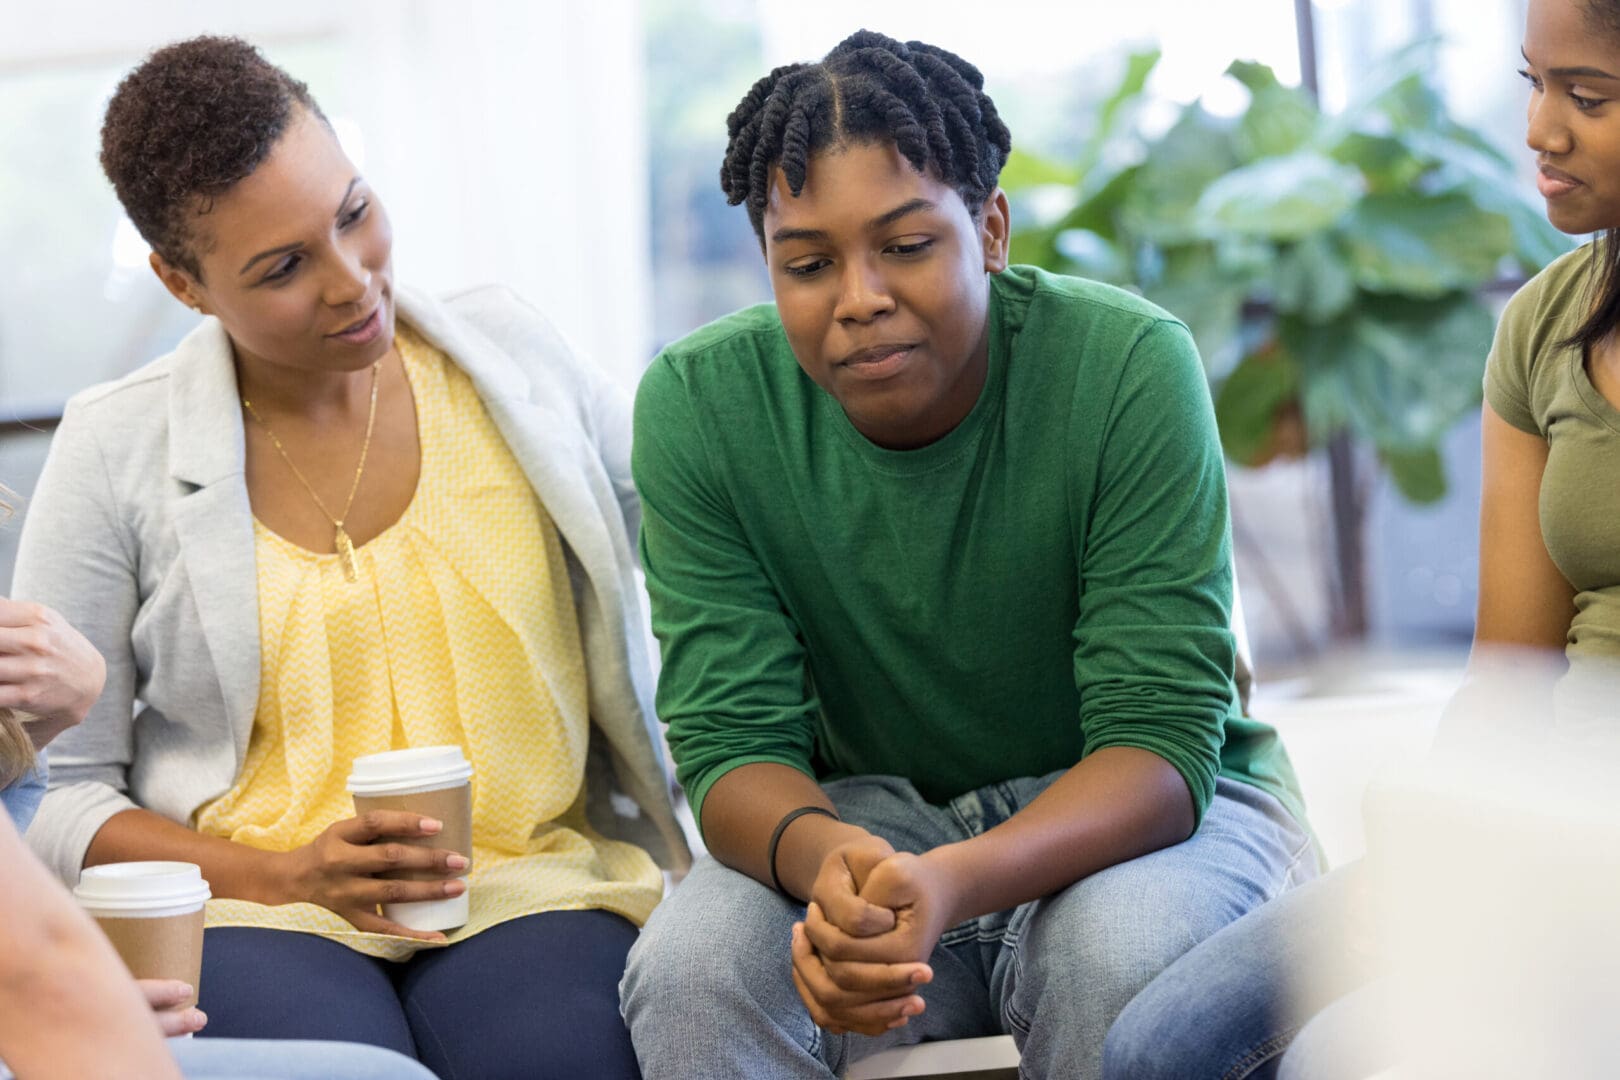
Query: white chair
x=993 y=1058
x=996 y=1057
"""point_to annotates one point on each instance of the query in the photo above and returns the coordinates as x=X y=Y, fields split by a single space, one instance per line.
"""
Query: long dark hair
x=1604 y=286
x=1603 y=17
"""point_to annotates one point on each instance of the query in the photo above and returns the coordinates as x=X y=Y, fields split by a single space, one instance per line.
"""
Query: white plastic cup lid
x=136 y=887
x=403 y=772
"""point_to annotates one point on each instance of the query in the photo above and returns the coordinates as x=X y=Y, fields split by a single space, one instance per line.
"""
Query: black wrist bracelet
x=776 y=838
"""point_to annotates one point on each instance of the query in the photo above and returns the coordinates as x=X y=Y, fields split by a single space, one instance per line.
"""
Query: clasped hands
x=874 y=917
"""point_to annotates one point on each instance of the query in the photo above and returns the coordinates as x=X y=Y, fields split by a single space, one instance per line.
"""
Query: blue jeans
x=535 y=998
x=251 y=1059
x=708 y=992
x=1230 y=1008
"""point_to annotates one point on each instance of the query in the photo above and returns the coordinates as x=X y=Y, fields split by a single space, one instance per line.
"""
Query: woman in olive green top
x=1550 y=572
x=1549 y=579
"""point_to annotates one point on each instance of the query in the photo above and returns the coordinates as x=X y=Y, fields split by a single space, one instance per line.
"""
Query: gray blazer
x=141 y=534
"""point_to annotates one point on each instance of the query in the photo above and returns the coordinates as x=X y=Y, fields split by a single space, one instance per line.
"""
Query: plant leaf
x=1025 y=170
x=1371 y=109
x=1312 y=279
x=1388 y=163
x=1257 y=77
x=1279 y=120
x=1282 y=198
x=1425 y=246
x=1138 y=67
x=1090 y=254
x=1247 y=402
x=1098 y=211
x=1397 y=372
x=1419 y=474
x=1161 y=203
x=1488 y=180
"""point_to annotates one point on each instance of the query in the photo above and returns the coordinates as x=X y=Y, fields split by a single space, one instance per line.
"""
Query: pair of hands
x=338 y=869
x=860 y=955
x=51 y=672
x=47 y=669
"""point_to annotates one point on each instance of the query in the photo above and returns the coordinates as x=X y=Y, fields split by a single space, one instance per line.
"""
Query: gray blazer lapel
x=213 y=520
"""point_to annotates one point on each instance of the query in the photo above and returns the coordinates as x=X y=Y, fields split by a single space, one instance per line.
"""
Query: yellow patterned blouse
x=461 y=629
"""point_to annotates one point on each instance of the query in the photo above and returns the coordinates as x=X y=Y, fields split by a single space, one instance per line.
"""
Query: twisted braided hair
x=928 y=102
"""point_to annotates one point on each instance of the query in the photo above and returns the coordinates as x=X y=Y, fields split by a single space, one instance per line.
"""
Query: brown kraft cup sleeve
x=165 y=948
x=452 y=806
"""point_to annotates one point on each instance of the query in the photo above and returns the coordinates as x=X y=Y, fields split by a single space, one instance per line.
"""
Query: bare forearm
x=743 y=808
x=77 y=1013
x=1115 y=805
x=231 y=869
x=68 y=1008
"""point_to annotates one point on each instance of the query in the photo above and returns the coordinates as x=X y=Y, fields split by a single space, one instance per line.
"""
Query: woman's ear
x=995 y=231
x=181 y=285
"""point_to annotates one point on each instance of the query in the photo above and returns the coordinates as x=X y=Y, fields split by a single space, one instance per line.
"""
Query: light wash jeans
x=1231 y=1007
x=708 y=991
x=284 y=1059
x=280 y=1059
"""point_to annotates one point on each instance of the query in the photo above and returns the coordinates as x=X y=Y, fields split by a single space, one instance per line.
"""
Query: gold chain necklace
x=345 y=548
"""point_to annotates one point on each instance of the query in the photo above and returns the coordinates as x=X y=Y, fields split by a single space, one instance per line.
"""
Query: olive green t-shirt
x=1050 y=578
x=1543 y=388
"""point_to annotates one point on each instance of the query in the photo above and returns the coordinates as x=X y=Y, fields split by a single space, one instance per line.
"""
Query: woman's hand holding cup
x=338 y=869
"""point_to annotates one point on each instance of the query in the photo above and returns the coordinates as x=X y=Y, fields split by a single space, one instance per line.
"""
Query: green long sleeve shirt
x=1050 y=578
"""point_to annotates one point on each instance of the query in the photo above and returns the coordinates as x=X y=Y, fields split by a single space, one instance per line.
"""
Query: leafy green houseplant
x=1330 y=267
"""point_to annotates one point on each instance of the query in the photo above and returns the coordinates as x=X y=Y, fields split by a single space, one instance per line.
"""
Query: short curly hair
x=187 y=124
x=928 y=102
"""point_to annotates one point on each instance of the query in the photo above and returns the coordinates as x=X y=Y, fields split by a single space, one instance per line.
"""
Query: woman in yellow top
x=344 y=518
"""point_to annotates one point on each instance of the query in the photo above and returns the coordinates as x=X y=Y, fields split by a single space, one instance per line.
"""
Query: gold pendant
x=345 y=550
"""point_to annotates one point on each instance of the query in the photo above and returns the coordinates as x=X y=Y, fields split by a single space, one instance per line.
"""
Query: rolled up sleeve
x=1154 y=650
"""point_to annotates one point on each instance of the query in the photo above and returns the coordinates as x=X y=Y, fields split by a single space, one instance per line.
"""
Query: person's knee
x=1113 y=934
x=678 y=958
x=706 y=946
x=367 y=1063
x=293 y=1059
x=1141 y=1044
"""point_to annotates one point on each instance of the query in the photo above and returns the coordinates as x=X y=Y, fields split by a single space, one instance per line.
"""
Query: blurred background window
x=572 y=152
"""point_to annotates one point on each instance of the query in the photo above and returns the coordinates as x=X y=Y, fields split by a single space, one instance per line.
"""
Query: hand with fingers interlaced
x=860 y=957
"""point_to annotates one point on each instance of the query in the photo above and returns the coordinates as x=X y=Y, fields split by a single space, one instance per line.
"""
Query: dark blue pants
x=535 y=997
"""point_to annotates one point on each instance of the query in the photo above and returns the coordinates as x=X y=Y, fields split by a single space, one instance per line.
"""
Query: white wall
x=509 y=141
x=507 y=137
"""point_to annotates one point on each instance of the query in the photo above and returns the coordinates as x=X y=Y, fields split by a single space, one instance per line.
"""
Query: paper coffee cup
x=152 y=912
x=431 y=780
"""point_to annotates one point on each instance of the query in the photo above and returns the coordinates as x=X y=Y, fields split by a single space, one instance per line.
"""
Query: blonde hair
x=17 y=752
